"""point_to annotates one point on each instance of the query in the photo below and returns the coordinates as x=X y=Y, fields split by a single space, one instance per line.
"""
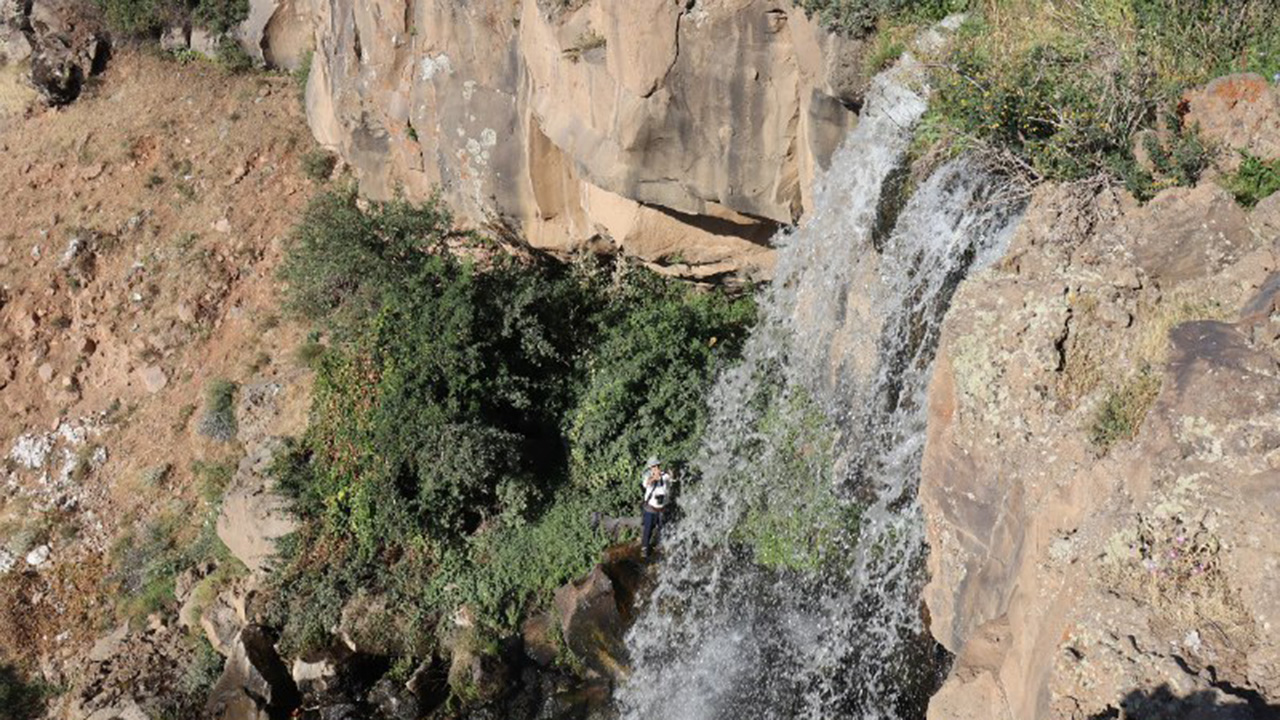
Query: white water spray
x=791 y=587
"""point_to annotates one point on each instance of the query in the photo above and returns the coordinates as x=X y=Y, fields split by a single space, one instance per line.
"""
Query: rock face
x=1091 y=556
x=681 y=133
x=1238 y=111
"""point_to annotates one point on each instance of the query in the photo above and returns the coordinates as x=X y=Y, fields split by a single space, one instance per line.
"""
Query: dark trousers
x=651 y=528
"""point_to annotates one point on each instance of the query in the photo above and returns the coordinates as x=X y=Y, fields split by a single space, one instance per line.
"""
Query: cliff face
x=683 y=133
x=1077 y=572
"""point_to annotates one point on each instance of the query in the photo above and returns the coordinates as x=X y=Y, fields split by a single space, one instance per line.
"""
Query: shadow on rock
x=1221 y=703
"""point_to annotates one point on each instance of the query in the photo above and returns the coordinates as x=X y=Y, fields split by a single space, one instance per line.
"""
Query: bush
x=658 y=353
x=1123 y=411
x=20 y=698
x=1058 y=92
x=1254 y=181
x=470 y=411
x=318 y=164
x=859 y=17
x=219 y=419
x=148 y=18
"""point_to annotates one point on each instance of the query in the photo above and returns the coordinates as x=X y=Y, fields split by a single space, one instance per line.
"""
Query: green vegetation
x=148 y=18
x=798 y=519
x=859 y=17
x=1059 y=90
x=146 y=562
x=1254 y=180
x=1123 y=410
x=471 y=409
x=318 y=164
x=219 y=419
x=21 y=698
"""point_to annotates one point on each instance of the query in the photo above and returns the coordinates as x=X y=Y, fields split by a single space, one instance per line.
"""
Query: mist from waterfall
x=791 y=586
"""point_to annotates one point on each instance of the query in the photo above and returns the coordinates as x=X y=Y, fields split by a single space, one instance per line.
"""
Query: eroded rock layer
x=683 y=133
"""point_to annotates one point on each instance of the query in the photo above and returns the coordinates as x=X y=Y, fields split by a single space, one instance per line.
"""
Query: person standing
x=657 y=495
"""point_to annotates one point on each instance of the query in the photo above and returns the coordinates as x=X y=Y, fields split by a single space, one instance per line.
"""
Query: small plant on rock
x=219 y=419
x=1123 y=411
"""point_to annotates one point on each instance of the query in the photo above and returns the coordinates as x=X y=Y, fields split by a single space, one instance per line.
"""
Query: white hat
x=653 y=462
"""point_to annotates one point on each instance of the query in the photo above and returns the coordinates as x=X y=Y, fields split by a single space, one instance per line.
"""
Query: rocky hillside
x=307 y=416
x=1100 y=479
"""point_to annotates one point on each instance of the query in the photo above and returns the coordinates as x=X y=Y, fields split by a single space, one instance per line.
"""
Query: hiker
x=657 y=495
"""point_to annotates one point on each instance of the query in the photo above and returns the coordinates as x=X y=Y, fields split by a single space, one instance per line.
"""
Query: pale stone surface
x=604 y=126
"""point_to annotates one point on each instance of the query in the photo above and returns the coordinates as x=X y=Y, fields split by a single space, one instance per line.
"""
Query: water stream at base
x=817 y=437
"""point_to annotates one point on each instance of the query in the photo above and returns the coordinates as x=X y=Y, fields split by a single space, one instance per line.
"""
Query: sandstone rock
x=314 y=674
x=666 y=130
x=253 y=514
x=1241 y=112
x=277 y=33
x=1188 y=232
x=255 y=683
x=153 y=378
x=175 y=39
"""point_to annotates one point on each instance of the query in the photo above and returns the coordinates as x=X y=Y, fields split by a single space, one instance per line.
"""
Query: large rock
x=254 y=516
x=681 y=133
x=1240 y=112
x=255 y=682
x=1074 y=577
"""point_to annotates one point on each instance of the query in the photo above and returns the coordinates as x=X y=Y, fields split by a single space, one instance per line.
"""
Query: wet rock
x=394 y=701
x=591 y=624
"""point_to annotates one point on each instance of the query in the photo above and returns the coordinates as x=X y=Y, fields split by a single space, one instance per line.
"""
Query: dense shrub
x=1254 y=180
x=21 y=698
x=655 y=357
x=1059 y=91
x=858 y=17
x=143 y=18
x=458 y=382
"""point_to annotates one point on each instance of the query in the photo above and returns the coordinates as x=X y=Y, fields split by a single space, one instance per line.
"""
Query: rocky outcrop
x=255 y=682
x=1101 y=466
x=682 y=133
x=61 y=41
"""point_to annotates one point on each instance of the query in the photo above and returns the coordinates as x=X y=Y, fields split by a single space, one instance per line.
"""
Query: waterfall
x=790 y=587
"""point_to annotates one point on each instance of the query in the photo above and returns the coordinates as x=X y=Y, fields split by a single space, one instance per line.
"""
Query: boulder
x=253 y=514
x=592 y=625
x=394 y=701
x=65 y=45
x=255 y=682
x=539 y=636
x=1239 y=112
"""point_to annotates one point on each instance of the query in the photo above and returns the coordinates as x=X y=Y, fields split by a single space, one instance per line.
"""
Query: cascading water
x=791 y=586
